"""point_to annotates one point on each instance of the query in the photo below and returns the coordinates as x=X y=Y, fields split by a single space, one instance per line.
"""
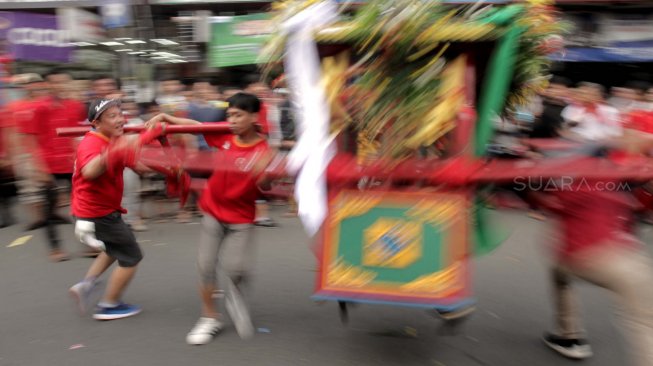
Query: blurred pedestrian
x=51 y=159
x=262 y=91
x=288 y=127
x=171 y=99
x=18 y=113
x=629 y=97
x=589 y=118
x=554 y=101
x=648 y=100
x=203 y=109
x=105 y=86
x=131 y=198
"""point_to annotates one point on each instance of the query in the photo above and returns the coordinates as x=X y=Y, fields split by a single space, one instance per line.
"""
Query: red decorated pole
x=204 y=128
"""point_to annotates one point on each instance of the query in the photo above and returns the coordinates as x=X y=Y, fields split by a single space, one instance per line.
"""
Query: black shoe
x=35 y=225
x=575 y=348
x=453 y=319
x=60 y=220
x=266 y=222
x=7 y=222
x=456 y=314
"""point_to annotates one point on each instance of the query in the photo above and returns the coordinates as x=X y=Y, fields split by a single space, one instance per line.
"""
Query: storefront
x=610 y=45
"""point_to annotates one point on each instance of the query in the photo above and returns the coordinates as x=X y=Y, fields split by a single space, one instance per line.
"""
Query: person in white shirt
x=630 y=97
x=131 y=198
x=589 y=118
x=648 y=100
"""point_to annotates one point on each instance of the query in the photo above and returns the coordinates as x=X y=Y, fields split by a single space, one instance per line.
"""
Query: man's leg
x=120 y=278
x=211 y=236
x=131 y=200
x=99 y=266
x=568 y=340
x=63 y=184
x=567 y=312
x=120 y=244
x=239 y=265
x=29 y=191
x=50 y=194
x=81 y=291
x=263 y=215
x=6 y=219
x=237 y=268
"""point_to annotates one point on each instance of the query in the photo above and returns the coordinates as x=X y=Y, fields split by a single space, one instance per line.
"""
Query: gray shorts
x=238 y=255
x=118 y=238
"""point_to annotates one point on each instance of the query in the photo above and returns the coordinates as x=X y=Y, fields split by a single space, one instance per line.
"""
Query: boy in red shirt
x=97 y=194
x=228 y=203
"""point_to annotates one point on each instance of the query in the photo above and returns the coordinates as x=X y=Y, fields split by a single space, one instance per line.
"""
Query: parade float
x=399 y=98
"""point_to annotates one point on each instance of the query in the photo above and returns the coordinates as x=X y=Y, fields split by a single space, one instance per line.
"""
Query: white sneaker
x=203 y=331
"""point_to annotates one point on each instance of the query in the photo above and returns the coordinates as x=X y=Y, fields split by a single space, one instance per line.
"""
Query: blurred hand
x=43 y=176
x=287 y=144
x=161 y=117
x=125 y=142
x=636 y=142
x=116 y=95
x=5 y=164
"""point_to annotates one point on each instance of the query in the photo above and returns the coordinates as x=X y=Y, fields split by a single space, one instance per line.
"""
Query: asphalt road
x=38 y=324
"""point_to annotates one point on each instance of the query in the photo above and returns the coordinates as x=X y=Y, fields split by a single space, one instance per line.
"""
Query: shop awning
x=619 y=52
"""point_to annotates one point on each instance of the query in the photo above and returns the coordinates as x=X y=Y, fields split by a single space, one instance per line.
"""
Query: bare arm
x=633 y=141
x=96 y=167
x=163 y=117
x=141 y=168
x=8 y=161
x=264 y=181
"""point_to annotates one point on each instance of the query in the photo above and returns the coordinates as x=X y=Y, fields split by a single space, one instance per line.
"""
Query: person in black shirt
x=554 y=102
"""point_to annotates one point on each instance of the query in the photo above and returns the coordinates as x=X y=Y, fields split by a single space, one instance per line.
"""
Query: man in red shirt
x=19 y=113
x=100 y=161
x=52 y=155
x=228 y=203
x=12 y=115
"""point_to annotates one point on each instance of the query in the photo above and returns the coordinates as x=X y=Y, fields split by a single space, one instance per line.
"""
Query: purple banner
x=34 y=37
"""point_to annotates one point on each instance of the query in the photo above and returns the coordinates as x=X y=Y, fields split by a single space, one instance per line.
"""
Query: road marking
x=20 y=241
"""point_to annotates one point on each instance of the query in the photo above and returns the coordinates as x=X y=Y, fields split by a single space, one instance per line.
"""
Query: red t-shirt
x=102 y=195
x=15 y=114
x=22 y=112
x=49 y=114
x=5 y=124
x=590 y=219
x=231 y=192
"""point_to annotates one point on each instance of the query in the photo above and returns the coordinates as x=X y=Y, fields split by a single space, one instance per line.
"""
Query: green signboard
x=237 y=40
